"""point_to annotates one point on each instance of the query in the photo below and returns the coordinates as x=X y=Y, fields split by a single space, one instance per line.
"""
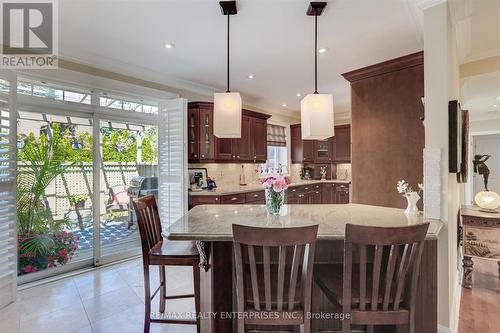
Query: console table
x=481 y=239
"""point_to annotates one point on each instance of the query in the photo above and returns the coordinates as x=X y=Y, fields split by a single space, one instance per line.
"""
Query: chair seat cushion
x=174 y=249
x=330 y=279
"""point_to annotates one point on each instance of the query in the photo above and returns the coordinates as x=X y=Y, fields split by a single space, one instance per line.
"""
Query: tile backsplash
x=228 y=174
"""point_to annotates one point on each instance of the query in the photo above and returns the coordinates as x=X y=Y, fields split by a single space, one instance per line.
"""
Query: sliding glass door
x=128 y=170
x=54 y=184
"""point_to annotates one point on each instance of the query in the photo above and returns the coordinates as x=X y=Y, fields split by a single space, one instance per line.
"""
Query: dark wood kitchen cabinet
x=259 y=140
x=203 y=146
x=301 y=150
x=341 y=144
x=335 y=149
x=242 y=148
x=201 y=141
x=341 y=193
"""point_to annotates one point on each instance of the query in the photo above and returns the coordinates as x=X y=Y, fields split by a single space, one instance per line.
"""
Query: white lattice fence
x=77 y=180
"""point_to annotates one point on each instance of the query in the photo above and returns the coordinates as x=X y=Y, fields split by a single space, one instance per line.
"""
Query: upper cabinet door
x=296 y=144
x=308 y=153
x=342 y=144
x=259 y=136
x=206 y=144
x=193 y=133
x=223 y=149
x=242 y=148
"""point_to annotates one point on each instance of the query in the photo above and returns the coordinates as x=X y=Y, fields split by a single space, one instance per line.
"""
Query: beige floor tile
x=111 y=303
x=63 y=320
x=129 y=321
x=10 y=318
x=98 y=282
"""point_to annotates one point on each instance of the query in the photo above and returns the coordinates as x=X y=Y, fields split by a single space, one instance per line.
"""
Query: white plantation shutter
x=172 y=161
x=8 y=239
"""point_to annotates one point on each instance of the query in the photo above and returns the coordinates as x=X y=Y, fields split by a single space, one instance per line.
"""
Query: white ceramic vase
x=412 y=199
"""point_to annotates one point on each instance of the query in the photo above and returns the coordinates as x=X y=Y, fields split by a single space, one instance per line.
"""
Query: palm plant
x=42 y=166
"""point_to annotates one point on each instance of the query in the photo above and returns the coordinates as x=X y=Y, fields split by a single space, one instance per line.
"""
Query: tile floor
x=106 y=300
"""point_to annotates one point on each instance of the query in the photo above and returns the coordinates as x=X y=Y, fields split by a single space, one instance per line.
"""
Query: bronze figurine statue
x=481 y=168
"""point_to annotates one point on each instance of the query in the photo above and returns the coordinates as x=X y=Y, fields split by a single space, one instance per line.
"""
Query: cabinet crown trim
x=393 y=65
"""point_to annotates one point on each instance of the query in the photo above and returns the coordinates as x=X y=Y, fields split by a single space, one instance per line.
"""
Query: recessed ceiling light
x=251 y=76
x=498 y=98
x=284 y=105
x=299 y=94
x=169 y=46
x=322 y=50
x=496 y=105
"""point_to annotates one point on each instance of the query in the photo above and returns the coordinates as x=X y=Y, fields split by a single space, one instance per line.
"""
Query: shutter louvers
x=8 y=243
x=276 y=136
x=172 y=194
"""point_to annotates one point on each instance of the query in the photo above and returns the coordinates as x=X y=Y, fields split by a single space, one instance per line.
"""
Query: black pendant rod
x=227 y=90
x=316 y=51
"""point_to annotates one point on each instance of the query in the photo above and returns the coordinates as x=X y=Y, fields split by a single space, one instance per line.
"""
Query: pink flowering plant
x=275 y=186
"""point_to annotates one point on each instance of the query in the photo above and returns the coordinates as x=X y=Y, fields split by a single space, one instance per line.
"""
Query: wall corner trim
x=425 y=4
x=410 y=60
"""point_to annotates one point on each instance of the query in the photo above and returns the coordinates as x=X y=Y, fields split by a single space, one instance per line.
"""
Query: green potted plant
x=77 y=201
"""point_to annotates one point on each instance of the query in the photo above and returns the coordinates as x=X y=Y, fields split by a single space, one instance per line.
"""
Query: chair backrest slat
x=281 y=278
x=387 y=245
x=274 y=244
x=377 y=263
x=292 y=286
x=253 y=277
x=148 y=220
x=267 y=276
x=362 y=277
x=391 y=265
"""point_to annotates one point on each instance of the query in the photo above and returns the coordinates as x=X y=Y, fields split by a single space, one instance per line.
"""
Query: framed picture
x=198 y=177
x=455 y=137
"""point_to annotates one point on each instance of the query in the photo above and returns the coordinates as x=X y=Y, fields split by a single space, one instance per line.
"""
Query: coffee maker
x=306 y=173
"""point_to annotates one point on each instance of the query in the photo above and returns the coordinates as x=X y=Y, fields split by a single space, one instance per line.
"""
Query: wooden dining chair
x=273 y=269
x=359 y=287
x=161 y=252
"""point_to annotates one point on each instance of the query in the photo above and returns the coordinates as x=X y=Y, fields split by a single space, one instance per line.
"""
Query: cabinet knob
x=234 y=198
x=306 y=188
x=202 y=155
x=238 y=156
x=255 y=195
x=195 y=155
x=216 y=199
x=234 y=156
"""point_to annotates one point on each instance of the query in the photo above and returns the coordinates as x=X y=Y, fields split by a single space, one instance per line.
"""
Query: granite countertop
x=213 y=222
x=226 y=190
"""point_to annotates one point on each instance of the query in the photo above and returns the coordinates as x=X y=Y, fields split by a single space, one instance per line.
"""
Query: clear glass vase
x=274 y=201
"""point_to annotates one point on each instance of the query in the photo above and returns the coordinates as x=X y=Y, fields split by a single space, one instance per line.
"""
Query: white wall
x=441 y=72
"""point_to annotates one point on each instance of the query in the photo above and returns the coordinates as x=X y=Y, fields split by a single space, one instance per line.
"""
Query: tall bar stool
x=162 y=252
x=362 y=290
x=273 y=269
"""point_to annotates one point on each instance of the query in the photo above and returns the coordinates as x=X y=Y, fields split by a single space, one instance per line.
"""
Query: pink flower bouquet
x=275 y=186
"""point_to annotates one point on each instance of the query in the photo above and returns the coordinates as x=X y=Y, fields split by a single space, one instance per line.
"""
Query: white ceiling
x=271 y=39
x=477 y=25
x=480 y=94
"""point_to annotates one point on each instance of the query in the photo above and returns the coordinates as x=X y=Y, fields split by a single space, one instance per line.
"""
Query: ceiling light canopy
x=227 y=106
x=251 y=76
x=169 y=46
x=316 y=110
x=322 y=50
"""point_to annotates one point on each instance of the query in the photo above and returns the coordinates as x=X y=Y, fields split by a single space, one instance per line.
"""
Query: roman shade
x=276 y=136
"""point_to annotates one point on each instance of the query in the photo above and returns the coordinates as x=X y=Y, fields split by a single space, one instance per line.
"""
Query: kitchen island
x=210 y=226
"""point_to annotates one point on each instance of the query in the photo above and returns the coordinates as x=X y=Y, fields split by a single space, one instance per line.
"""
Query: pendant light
x=316 y=110
x=227 y=106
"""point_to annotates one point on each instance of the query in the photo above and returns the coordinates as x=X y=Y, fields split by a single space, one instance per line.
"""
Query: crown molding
x=389 y=66
x=426 y=4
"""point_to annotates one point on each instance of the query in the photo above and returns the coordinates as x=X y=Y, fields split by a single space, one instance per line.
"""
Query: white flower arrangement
x=405 y=189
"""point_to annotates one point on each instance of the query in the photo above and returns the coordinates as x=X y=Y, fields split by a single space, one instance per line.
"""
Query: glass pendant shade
x=227 y=115
x=488 y=200
x=316 y=117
